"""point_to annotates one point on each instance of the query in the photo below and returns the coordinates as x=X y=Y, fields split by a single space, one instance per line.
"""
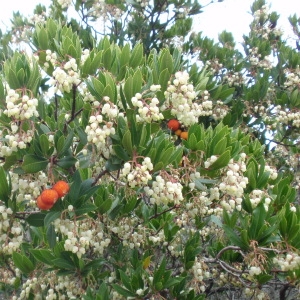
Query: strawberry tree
x=101 y=197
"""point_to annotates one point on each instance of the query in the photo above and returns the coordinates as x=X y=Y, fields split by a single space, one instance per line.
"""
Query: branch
x=163 y=212
x=99 y=176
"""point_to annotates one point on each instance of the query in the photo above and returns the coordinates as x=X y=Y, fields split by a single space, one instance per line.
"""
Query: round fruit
x=178 y=132
x=184 y=135
x=49 y=196
x=41 y=205
x=61 y=187
x=173 y=124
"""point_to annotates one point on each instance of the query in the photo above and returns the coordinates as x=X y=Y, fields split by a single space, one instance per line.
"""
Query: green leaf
x=22 y=262
x=64 y=145
x=43 y=39
x=136 y=56
x=219 y=148
x=125 y=280
x=50 y=217
x=257 y=222
x=128 y=90
x=43 y=255
x=64 y=263
x=234 y=238
x=33 y=163
x=66 y=162
x=124 y=292
x=85 y=208
x=5 y=188
x=36 y=219
x=127 y=142
x=263 y=278
x=164 y=77
x=222 y=161
x=51 y=235
x=44 y=143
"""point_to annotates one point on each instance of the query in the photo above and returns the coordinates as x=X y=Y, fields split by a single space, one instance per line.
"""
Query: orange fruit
x=41 y=205
x=173 y=124
x=49 y=196
x=178 y=132
x=184 y=135
x=61 y=187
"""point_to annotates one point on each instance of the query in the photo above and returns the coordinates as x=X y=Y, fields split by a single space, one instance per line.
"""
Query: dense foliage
x=141 y=160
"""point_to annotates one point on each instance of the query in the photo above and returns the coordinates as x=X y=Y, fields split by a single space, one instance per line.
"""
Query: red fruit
x=41 y=205
x=49 y=196
x=173 y=124
x=61 y=187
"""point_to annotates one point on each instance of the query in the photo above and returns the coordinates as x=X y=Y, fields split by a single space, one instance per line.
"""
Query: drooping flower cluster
x=52 y=287
x=288 y=116
x=50 y=57
x=233 y=184
x=165 y=189
x=258 y=196
x=98 y=132
x=137 y=174
x=64 y=79
x=131 y=233
x=288 y=261
x=102 y=10
x=28 y=188
x=20 y=107
x=180 y=98
x=64 y=3
x=11 y=234
x=81 y=236
x=234 y=79
x=15 y=139
x=148 y=110
x=257 y=60
x=292 y=78
x=38 y=18
x=262 y=25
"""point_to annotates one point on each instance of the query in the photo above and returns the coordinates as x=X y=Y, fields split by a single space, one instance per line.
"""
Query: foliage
x=151 y=213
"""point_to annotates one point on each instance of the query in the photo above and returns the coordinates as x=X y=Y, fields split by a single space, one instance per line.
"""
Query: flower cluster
x=292 y=78
x=98 y=132
x=64 y=80
x=214 y=66
x=258 y=196
x=11 y=234
x=109 y=109
x=233 y=184
x=38 y=18
x=165 y=189
x=28 y=188
x=234 y=79
x=81 y=236
x=288 y=262
x=180 y=98
x=124 y=230
x=16 y=137
x=254 y=271
x=61 y=287
x=137 y=174
x=50 y=57
x=263 y=26
x=148 y=110
x=64 y=3
x=257 y=60
x=20 y=108
x=102 y=10
x=288 y=117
